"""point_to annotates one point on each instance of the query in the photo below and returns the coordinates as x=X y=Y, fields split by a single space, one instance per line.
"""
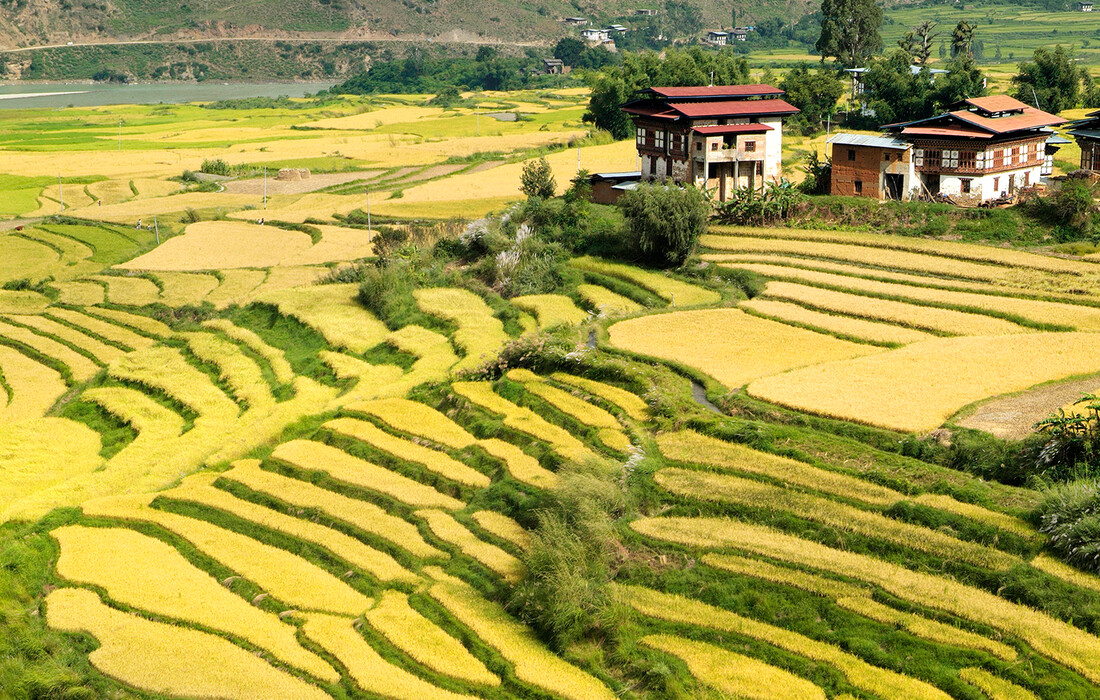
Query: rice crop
x=503 y=527
x=730 y=345
x=129 y=291
x=479 y=334
x=27 y=259
x=897 y=312
x=607 y=302
x=362 y=514
x=145 y=573
x=372 y=673
x=162 y=367
x=275 y=357
x=138 y=322
x=439 y=462
x=584 y=411
x=551 y=309
x=102 y=352
x=315 y=456
x=72 y=250
x=186 y=288
x=236 y=369
x=138 y=410
x=532 y=662
x=979 y=514
x=236 y=287
x=197 y=489
x=111 y=332
x=38 y=454
x=630 y=403
x=418 y=419
x=873 y=331
x=730 y=489
x=615 y=439
x=424 y=641
x=675 y=292
x=168 y=659
x=22 y=302
x=522 y=419
x=1070 y=574
x=735 y=675
x=446 y=528
x=110 y=191
x=72 y=195
x=287 y=577
x=917 y=387
x=796 y=578
x=995 y=687
x=80 y=293
x=80 y=367
x=219 y=245
x=282 y=278
x=1060 y=641
x=522 y=466
x=337 y=244
x=334 y=311
x=876 y=681
x=33 y=386
x=148 y=187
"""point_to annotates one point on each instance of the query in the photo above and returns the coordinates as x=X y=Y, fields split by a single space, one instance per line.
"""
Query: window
x=1027 y=178
x=851 y=154
x=965 y=184
x=979 y=161
x=659 y=139
x=750 y=146
x=918 y=157
x=1023 y=154
x=950 y=159
x=967 y=159
x=1006 y=158
x=639 y=137
x=859 y=186
x=760 y=168
x=698 y=145
x=996 y=184
x=652 y=166
x=676 y=140
x=714 y=146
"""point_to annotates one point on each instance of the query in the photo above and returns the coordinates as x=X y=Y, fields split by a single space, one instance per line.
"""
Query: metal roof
x=870 y=140
x=1057 y=139
x=1087 y=133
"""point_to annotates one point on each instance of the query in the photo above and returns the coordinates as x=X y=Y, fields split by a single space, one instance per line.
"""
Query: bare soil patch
x=311 y=184
x=1013 y=417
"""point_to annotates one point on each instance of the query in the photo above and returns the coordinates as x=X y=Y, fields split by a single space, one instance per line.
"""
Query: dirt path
x=1013 y=417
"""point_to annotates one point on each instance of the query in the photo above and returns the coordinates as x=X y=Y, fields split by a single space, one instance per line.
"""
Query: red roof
x=949 y=131
x=756 y=108
x=996 y=103
x=1028 y=118
x=732 y=129
x=716 y=91
x=658 y=110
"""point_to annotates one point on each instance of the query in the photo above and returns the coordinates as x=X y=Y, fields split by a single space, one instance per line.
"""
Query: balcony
x=731 y=155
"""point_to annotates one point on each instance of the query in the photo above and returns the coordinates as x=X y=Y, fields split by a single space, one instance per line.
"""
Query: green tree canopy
x=849 y=31
x=896 y=94
x=813 y=92
x=1052 y=79
x=666 y=221
x=538 y=179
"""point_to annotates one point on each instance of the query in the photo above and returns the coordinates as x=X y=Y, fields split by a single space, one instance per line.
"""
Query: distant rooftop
x=870 y=140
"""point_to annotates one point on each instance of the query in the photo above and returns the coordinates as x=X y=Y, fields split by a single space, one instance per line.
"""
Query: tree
x=849 y=31
x=568 y=50
x=682 y=19
x=666 y=221
x=609 y=93
x=896 y=94
x=962 y=39
x=925 y=34
x=963 y=80
x=815 y=93
x=1051 y=78
x=538 y=179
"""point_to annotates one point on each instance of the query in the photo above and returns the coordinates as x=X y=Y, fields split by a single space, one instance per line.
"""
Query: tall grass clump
x=1070 y=516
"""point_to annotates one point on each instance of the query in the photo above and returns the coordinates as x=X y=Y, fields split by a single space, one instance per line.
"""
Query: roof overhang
x=726 y=129
x=945 y=132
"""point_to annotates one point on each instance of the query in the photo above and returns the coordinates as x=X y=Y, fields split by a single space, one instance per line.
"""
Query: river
x=56 y=95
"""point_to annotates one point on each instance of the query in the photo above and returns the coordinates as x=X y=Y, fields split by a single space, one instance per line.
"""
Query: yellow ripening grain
x=38 y=454
x=80 y=367
x=523 y=419
x=337 y=244
x=876 y=681
x=733 y=674
x=110 y=191
x=275 y=357
x=434 y=352
x=71 y=195
x=362 y=514
x=446 y=528
x=533 y=663
x=883 y=333
x=551 y=309
x=164 y=368
x=675 y=292
x=334 y=311
x=979 y=514
x=522 y=466
x=614 y=439
x=72 y=250
x=630 y=403
x=503 y=527
x=730 y=345
x=897 y=312
x=372 y=673
x=22 y=302
x=709 y=486
x=919 y=386
x=186 y=288
x=695 y=448
x=585 y=412
x=148 y=188
x=417 y=419
x=1053 y=638
x=607 y=302
x=877 y=257
x=424 y=641
x=315 y=456
x=301 y=208
x=390 y=114
x=167 y=659
x=236 y=369
x=148 y=574
x=479 y=334
x=111 y=332
x=796 y=578
x=372 y=381
x=215 y=245
x=80 y=293
x=102 y=352
x=435 y=461
x=280 y=278
x=198 y=488
x=138 y=322
x=995 y=687
x=950 y=249
x=287 y=577
x=236 y=287
x=1070 y=574
x=129 y=291
x=33 y=386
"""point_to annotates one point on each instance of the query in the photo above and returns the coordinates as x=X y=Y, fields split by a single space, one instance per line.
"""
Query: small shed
x=608 y=187
x=866 y=165
x=575 y=21
x=553 y=66
x=645 y=12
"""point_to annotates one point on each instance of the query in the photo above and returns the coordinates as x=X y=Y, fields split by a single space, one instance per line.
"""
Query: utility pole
x=60 y=192
x=156 y=227
x=265 y=187
x=478 y=120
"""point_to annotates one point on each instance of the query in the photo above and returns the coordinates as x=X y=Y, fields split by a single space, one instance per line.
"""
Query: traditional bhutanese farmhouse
x=595 y=35
x=718 y=38
x=1087 y=134
x=985 y=148
x=871 y=166
x=1085 y=6
x=721 y=138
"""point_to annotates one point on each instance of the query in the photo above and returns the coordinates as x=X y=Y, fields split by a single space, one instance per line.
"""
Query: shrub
x=1070 y=516
x=665 y=221
x=1073 y=441
x=216 y=166
x=538 y=179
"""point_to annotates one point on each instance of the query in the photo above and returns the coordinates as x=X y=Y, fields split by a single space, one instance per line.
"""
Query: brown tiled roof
x=722 y=130
x=1029 y=118
x=948 y=131
x=996 y=103
x=658 y=110
x=745 y=108
x=716 y=91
